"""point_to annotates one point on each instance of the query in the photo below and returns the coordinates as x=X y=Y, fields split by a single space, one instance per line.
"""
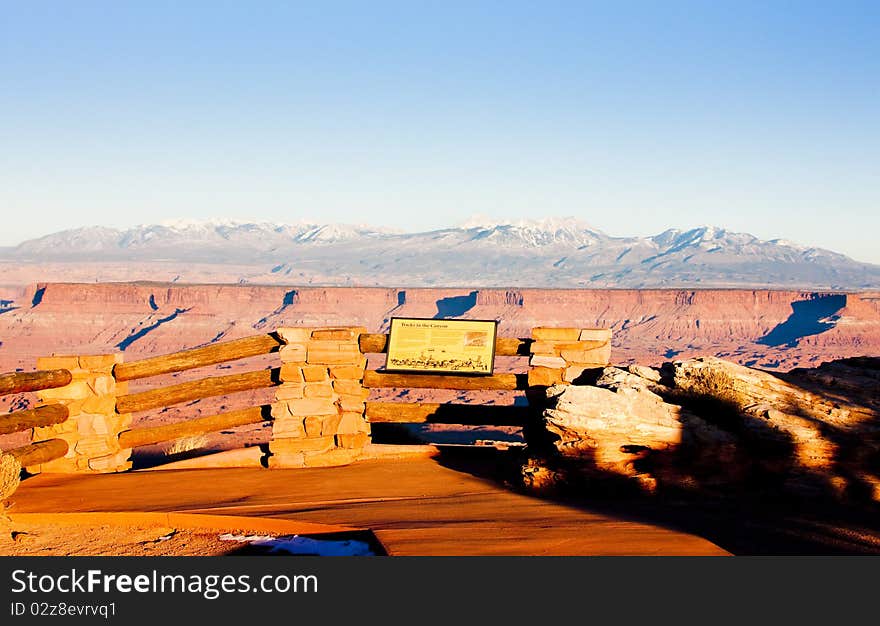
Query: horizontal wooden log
x=374 y=379
x=198 y=426
x=504 y=346
x=20 y=382
x=558 y=347
x=10 y=476
x=31 y=418
x=373 y=343
x=198 y=357
x=41 y=452
x=511 y=346
x=196 y=390
x=470 y=414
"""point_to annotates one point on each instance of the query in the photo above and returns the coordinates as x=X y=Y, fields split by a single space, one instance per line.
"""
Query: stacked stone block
x=562 y=355
x=92 y=430
x=319 y=413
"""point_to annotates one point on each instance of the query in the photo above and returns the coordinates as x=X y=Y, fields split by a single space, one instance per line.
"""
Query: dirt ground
x=27 y=539
x=413 y=507
x=454 y=504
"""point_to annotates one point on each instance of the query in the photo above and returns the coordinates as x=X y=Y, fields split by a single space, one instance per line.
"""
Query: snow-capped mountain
x=534 y=233
x=553 y=252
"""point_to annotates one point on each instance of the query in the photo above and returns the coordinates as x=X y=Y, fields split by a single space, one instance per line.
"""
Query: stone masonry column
x=561 y=355
x=319 y=413
x=92 y=430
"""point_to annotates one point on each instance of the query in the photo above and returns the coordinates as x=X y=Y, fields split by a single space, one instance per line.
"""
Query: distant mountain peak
x=533 y=232
x=184 y=223
x=548 y=224
x=328 y=233
x=304 y=230
x=551 y=252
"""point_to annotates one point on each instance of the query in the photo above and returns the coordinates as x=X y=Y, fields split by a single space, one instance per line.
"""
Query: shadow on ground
x=757 y=523
x=753 y=499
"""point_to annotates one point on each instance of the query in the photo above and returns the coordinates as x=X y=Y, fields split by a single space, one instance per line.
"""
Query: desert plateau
x=768 y=328
x=724 y=420
x=479 y=279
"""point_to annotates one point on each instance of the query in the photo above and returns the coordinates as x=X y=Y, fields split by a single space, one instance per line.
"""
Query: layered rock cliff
x=771 y=329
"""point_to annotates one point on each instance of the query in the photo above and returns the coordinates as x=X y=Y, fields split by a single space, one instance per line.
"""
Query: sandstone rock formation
x=709 y=422
x=771 y=329
x=621 y=426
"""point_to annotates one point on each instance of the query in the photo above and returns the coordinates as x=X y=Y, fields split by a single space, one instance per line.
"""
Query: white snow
x=294 y=544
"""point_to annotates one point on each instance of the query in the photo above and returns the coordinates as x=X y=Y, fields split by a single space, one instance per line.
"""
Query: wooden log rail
x=196 y=390
x=198 y=426
x=422 y=412
x=40 y=452
x=375 y=380
x=21 y=382
x=12 y=462
x=31 y=418
x=377 y=343
x=198 y=357
x=377 y=412
x=429 y=412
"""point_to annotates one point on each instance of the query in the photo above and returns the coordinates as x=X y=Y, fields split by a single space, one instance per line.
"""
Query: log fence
x=12 y=461
x=321 y=414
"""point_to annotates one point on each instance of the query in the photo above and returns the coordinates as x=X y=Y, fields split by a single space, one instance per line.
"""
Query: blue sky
x=635 y=116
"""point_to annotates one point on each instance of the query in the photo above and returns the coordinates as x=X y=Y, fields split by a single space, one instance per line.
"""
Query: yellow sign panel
x=441 y=346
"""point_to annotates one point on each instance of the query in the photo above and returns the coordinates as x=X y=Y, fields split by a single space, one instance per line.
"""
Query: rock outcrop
x=707 y=422
x=622 y=426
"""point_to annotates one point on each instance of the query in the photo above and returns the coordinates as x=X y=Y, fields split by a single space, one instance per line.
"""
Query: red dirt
x=414 y=507
x=29 y=539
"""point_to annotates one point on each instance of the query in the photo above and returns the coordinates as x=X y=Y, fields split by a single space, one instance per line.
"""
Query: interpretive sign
x=441 y=346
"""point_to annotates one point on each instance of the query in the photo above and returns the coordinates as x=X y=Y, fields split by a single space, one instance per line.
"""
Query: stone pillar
x=319 y=413
x=92 y=430
x=561 y=355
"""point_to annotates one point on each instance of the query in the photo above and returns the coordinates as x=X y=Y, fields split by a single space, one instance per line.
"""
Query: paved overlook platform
x=413 y=507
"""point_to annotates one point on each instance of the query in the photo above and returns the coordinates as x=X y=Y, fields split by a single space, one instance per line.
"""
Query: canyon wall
x=772 y=329
x=767 y=329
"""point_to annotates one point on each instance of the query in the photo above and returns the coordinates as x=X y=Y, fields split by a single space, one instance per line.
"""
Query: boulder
x=825 y=434
x=642 y=371
x=707 y=422
x=767 y=406
x=621 y=426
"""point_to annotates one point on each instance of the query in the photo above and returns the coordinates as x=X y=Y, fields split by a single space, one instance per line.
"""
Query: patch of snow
x=303 y=546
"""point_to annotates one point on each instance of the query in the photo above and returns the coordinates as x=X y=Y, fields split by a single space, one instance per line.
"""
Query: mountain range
x=553 y=252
